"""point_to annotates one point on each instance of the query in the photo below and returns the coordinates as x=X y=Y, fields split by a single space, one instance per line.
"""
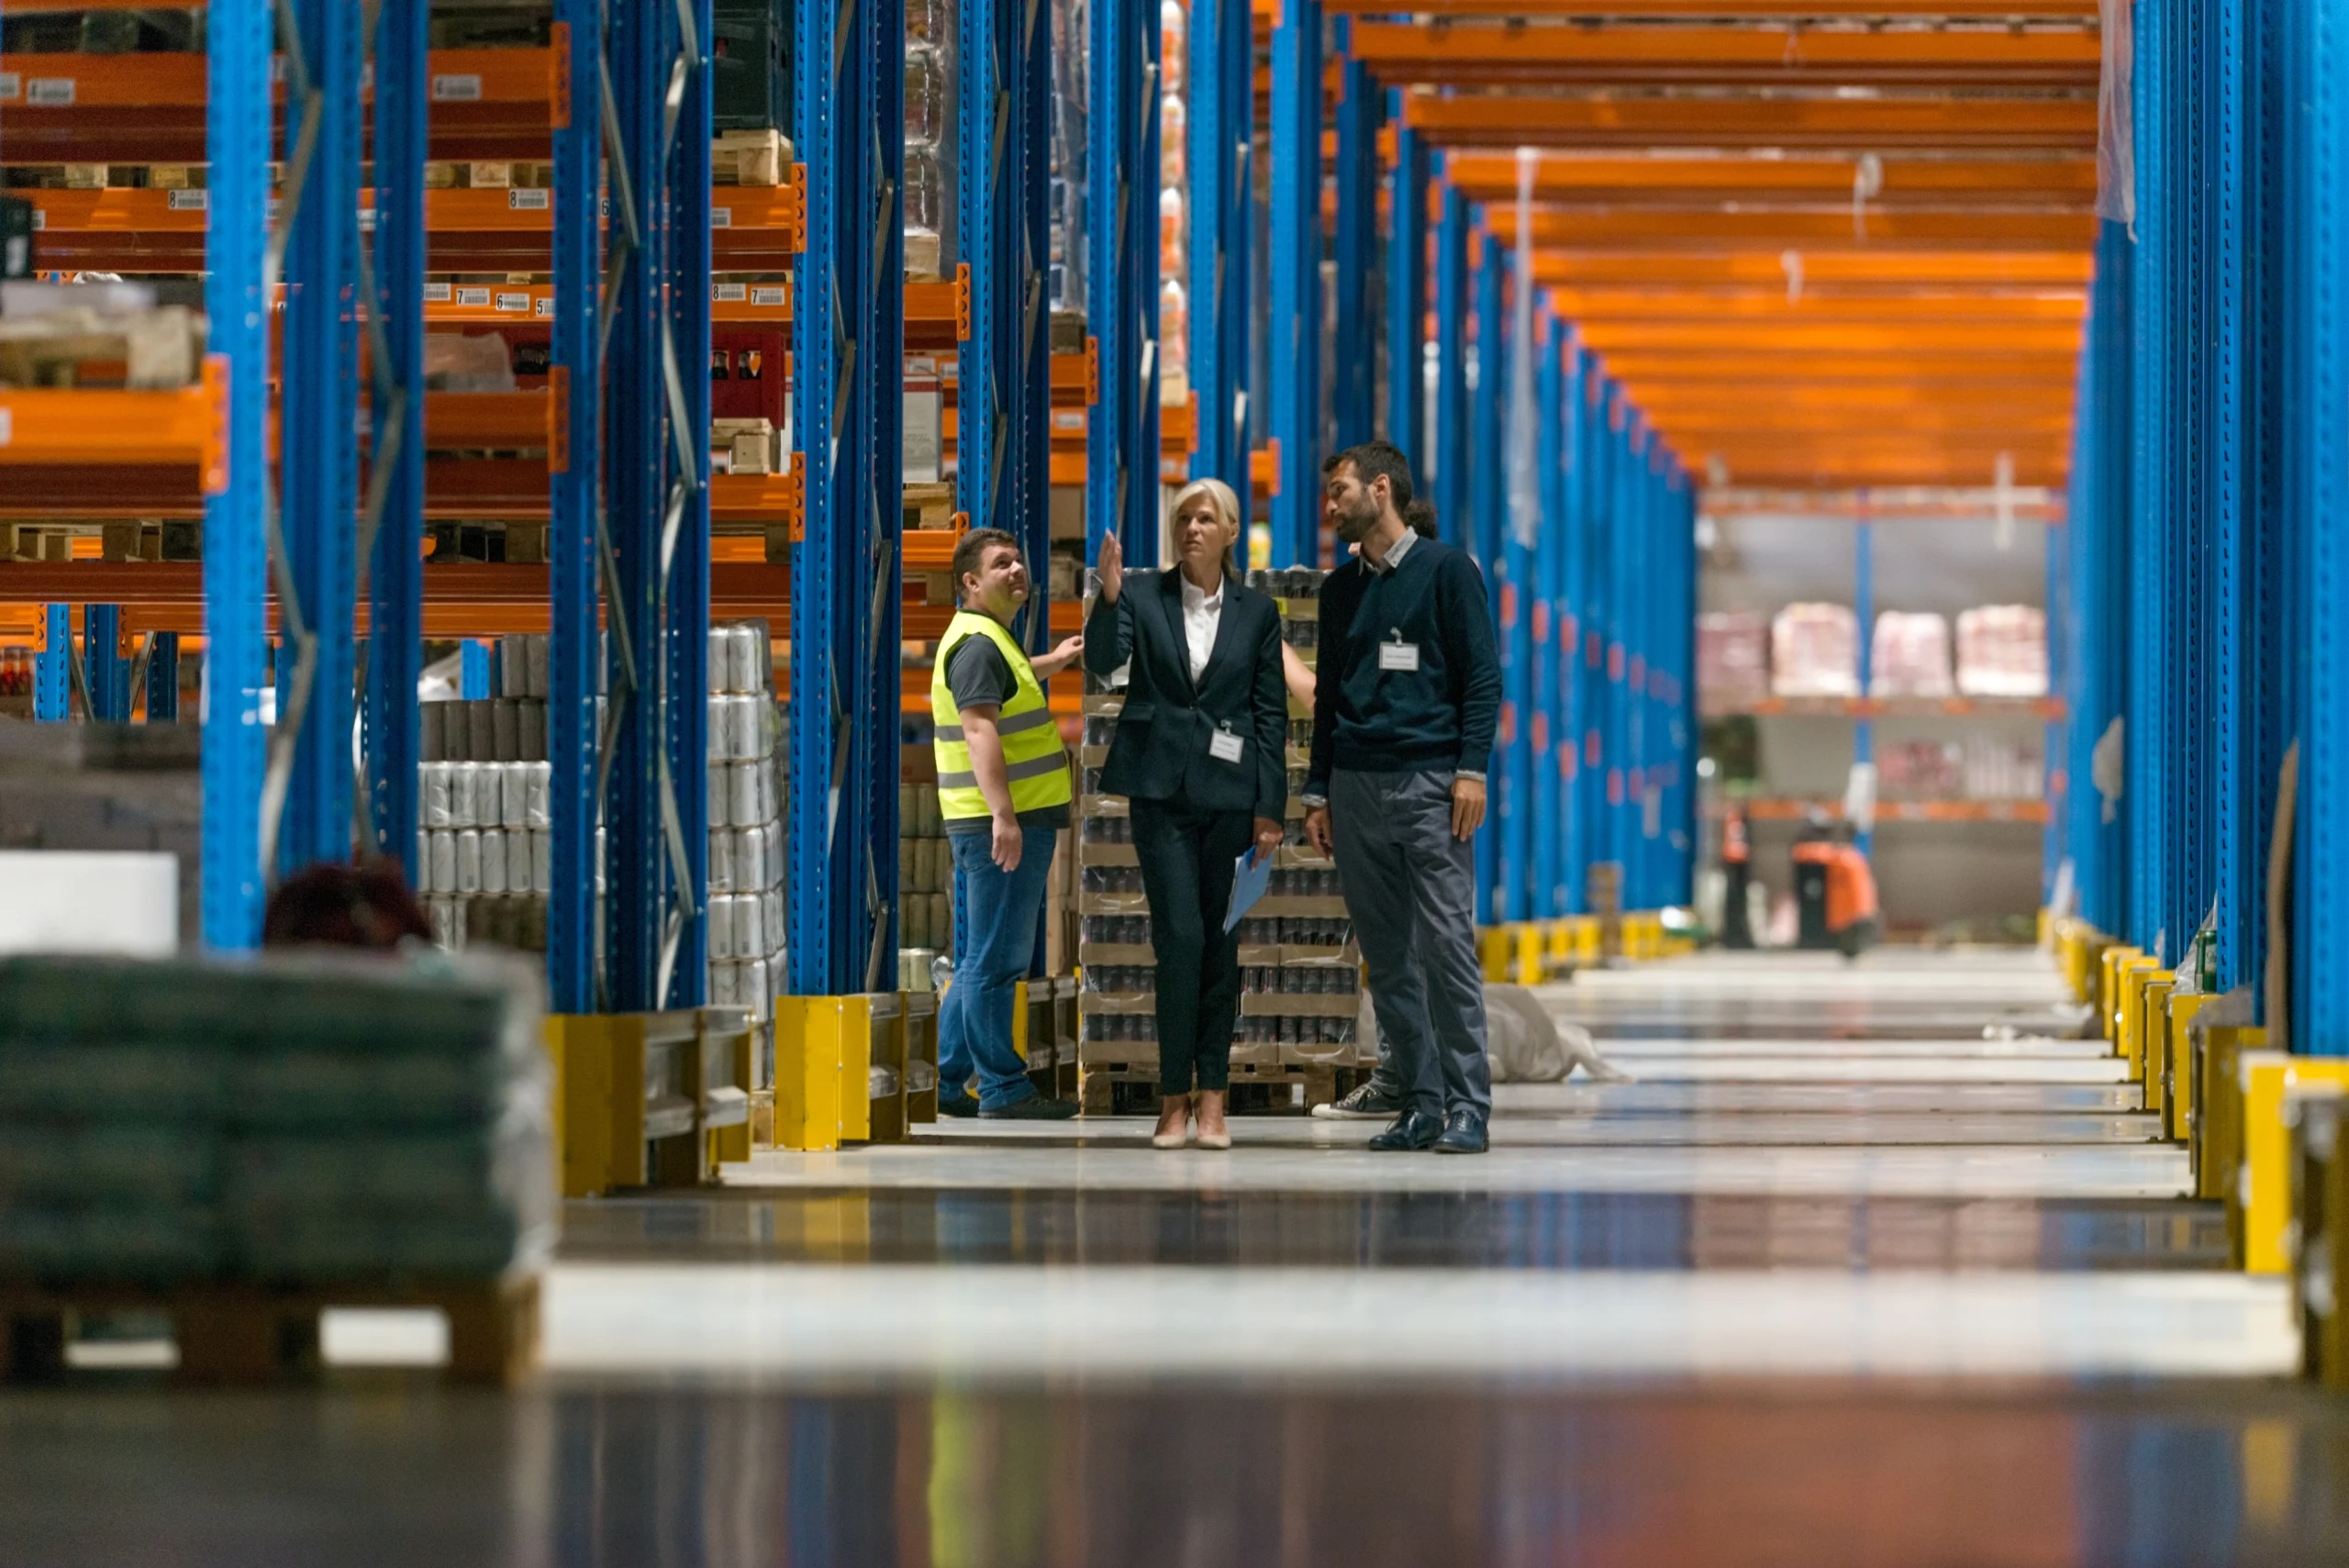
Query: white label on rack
x=366 y=220
x=455 y=89
x=50 y=92
x=1068 y=419
x=721 y=218
x=523 y=200
x=188 y=201
x=475 y=299
x=517 y=302
x=731 y=294
x=276 y=206
x=772 y=296
x=542 y=306
x=11 y=86
x=8 y=425
x=439 y=294
x=40 y=220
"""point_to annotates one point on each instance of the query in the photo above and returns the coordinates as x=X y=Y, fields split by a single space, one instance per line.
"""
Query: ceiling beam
x=1470 y=52
x=1880 y=125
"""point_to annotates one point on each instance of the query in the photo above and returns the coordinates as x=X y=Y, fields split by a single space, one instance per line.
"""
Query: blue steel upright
x=393 y=503
x=1354 y=364
x=1454 y=437
x=848 y=348
x=1549 y=741
x=320 y=410
x=1293 y=321
x=104 y=669
x=574 y=540
x=163 y=678
x=236 y=562
x=1487 y=481
x=1122 y=436
x=1222 y=109
x=1407 y=295
x=2148 y=729
x=1516 y=596
x=53 y=666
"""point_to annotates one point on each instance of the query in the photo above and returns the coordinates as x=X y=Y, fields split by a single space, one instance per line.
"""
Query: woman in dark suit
x=1201 y=751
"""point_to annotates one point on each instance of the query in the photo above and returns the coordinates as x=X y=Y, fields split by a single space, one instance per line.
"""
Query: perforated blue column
x=106 y=671
x=1550 y=739
x=1294 y=321
x=2150 y=748
x=1488 y=480
x=1407 y=295
x=1569 y=611
x=2316 y=328
x=2098 y=663
x=1122 y=436
x=1620 y=530
x=1452 y=459
x=237 y=127
x=53 y=666
x=1222 y=110
x=1680 y=633
x=394 y=495
x=1516 y=593
x=1354 y=365
x=164 y=679
x=319 y=412
x=575 y=652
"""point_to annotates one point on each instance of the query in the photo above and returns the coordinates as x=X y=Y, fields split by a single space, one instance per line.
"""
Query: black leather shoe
x=1412 y=1130
x=1463 y=1133
x=958 y=1105
x=1035 y=1108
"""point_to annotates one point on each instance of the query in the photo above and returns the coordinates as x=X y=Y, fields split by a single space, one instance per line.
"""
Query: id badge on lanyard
x=1223 y=745
x=1398 y=654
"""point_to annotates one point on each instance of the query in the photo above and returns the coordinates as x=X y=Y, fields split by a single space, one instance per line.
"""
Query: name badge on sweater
x=1399 y=655
x=1224 y=746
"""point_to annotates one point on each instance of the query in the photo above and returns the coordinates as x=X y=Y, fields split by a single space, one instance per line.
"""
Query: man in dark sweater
x=1407 y=695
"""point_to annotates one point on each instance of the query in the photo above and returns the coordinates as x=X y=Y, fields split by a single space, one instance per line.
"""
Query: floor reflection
x=1513 y=1230
x=360 y=1476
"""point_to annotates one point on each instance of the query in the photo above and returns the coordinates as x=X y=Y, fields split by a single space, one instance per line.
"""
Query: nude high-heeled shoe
x=1174 y=1123
x=1213 y=1132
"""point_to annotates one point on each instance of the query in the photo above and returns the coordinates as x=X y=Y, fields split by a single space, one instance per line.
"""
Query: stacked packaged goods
x=1301 y=972
x=1173 y=218
x=747 y=841
x=1815 y=651
x=925 y=876
x=2003 y=767
x=2002 y=651
x=1909 y=657
x=484 y=853
x=310 y=1120
x=930 y=64
x=1732 y=659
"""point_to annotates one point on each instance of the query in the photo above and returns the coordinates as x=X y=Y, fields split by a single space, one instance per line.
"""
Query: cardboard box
x=923 y=430
x=749 y=158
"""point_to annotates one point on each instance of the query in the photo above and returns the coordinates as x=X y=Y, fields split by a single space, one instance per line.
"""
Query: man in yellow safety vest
x=1003 y=789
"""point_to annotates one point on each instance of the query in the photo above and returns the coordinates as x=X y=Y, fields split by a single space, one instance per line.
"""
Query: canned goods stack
x=747 y=842
x=925 y=876
x=485 y=851
x=1301 y=972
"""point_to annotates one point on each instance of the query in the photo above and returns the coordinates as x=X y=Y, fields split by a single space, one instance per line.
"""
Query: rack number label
x=188 y=201
x=517 y=302
x=732 y=294
x=520 y=199
x=456 y=89
x=8 y=426
x=50 y=92
x=439 y=294
x=721 y=218
x=542 y=306
x=11 y=86
x=772 y=295
x=477 y=299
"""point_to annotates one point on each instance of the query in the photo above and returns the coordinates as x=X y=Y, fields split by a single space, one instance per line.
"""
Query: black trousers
x=1186 y=870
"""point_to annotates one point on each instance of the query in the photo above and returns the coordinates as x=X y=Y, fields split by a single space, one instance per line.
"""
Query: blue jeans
x=1000 y=909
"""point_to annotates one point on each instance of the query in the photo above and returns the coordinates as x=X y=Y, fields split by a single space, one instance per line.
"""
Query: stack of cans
x=747 y=841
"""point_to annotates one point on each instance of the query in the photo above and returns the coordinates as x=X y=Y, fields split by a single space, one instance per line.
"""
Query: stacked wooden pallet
x=1301 y=975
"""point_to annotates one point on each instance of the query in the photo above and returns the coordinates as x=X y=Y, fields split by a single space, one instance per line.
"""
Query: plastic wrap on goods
x=2002 y=651
x=1909 y=657
x=1815 y=651
x=1733 y=658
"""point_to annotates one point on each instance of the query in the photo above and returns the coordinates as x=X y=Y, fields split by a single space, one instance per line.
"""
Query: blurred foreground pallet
x=246 y=1335
x=1130 y=1088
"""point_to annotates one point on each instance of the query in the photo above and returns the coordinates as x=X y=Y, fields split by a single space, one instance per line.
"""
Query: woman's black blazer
x=1161 y=749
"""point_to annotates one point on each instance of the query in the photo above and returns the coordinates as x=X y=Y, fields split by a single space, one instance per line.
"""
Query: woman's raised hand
x=1112 y=567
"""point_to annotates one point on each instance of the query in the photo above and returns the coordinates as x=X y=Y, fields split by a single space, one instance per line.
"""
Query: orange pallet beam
x=1857 y=367
x=1829 y=228
x=1883 y=125
x=1752 y=337
x=1708 y=10
x=1466 y=52
x=487 y=103
x=1885 y=270
x=183 y=432
x=1653 y=180
x=1663 y=305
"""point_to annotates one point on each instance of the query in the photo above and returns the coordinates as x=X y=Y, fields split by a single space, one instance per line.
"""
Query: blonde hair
x=1227 y=506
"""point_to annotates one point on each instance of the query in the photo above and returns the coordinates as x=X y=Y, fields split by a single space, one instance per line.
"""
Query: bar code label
x=543 y=306
x=456 y=89
x=775 y=297
x=731 y=294
x=721 y=218
x=521 y=200
x=439 y=294
x=188 y=201
x=518 y=303
x=11 y=86
x=40 y=220
x=8 y=425
x=478 y=298
x=50 y=92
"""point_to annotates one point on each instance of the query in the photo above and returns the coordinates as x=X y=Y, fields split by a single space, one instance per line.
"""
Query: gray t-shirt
x=979 y=675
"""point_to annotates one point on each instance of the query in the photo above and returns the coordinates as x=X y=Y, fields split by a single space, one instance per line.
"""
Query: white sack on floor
x=1525 y=1043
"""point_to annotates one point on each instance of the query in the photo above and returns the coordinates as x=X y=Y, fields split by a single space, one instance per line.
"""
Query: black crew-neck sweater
x=1438 y=718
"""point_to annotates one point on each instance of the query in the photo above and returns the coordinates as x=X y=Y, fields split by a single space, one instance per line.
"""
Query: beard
x=1354 y=523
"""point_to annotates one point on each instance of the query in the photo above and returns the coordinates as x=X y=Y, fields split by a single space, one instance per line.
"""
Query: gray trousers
x=1410 y=887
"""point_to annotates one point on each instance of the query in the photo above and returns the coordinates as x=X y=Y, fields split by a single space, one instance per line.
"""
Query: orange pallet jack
x=1834 y=891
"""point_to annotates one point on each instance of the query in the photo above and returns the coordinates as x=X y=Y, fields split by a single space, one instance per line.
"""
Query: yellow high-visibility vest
x=1032 y=757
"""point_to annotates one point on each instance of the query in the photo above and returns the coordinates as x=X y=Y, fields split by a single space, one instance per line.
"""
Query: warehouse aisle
x=1869 y=1267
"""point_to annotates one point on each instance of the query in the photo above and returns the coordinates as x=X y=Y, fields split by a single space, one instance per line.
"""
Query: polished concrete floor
x=1871 y=1265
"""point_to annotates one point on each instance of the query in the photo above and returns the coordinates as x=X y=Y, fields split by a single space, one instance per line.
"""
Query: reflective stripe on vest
x=1034 y=763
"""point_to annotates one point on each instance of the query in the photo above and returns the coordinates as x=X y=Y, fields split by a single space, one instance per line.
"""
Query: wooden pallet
x=1130 y=1088
x=243 y=1335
